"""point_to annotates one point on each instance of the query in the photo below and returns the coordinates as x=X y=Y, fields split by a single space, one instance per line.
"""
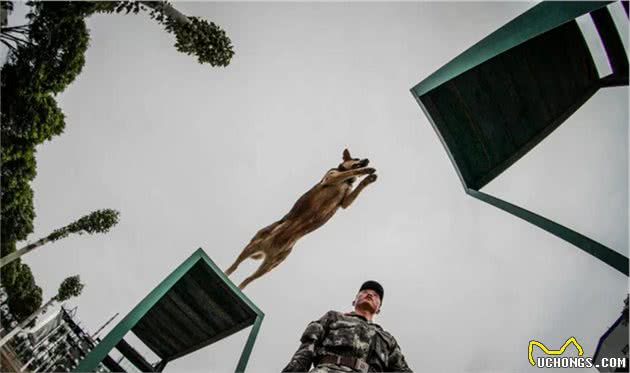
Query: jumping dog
x=312 y=210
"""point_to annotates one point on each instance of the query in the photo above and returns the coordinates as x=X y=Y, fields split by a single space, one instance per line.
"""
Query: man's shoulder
x=330 y=316
x=385 y=334
x=333 y=314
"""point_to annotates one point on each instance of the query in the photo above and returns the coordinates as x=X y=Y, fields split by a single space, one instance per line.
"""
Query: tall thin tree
x=99 y=221
x=195 y=36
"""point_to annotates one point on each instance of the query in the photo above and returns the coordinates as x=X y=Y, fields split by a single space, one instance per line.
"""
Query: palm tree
x=70 y=287
x=99 y=221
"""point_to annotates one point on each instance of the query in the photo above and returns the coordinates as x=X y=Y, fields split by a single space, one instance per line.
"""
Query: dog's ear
x=346 y=155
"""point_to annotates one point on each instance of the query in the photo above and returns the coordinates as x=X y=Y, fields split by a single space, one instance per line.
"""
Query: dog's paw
x=370 y=170
x=370 y=179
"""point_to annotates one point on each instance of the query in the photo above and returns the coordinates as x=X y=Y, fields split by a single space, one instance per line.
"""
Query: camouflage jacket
x=347 y=335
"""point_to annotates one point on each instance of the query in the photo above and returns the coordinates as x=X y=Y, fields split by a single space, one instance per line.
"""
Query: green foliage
x=58 y=39
x=70 y=287
x=99 y=221
x=33 y=118
x=17 y=210
x=197 y=37
x=203 y=39
x=48 y=53
x=45 y=56
x=52 y=58
x=25 y=297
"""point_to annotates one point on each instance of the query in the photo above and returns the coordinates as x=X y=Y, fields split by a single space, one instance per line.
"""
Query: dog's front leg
x=337 y=177
x=351 y=196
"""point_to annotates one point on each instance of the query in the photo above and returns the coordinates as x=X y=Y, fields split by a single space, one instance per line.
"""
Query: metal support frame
x=249 y=345
x=599 y=251
x=100 y=351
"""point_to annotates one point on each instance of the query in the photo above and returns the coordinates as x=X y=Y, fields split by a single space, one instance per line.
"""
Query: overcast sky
x=194 y=156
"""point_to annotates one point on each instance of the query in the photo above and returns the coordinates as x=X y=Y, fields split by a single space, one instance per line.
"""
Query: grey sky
x=195 y=156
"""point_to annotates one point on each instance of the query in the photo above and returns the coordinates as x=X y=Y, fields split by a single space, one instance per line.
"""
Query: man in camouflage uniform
x=350 y=342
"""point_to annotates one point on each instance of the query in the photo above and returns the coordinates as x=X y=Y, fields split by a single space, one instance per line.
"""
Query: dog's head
x=350 y=163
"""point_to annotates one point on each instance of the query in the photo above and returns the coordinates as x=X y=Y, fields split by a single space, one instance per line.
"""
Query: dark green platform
x=195 y=306
x=497 y=100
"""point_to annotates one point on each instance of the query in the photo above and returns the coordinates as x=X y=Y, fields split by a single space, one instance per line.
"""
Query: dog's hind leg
x=267 y=265
x=250 y=250
x=264 y=268
x=258 y=255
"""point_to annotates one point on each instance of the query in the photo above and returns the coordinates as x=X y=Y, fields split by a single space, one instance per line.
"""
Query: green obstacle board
x=195 y=306
x=497 y=100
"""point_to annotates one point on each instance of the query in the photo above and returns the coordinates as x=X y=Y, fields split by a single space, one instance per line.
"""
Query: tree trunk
x=168 y=10
x=25 y=250
x=24 y=323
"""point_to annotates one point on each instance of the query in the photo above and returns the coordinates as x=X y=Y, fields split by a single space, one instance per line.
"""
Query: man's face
x=368 y=299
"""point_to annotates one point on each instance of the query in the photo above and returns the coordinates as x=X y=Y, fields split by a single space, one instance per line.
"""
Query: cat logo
x=547 y=351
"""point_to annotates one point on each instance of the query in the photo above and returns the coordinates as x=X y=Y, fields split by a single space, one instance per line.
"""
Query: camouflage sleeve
x=303 y=357
x=397 y=361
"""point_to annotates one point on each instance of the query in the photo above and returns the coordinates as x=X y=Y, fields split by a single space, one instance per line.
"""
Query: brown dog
x=311 y=211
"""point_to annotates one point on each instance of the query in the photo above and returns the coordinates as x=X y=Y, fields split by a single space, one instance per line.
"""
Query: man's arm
x=303 y=357
x=397 y=361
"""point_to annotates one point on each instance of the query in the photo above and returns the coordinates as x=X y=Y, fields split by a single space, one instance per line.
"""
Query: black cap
x=373 y=285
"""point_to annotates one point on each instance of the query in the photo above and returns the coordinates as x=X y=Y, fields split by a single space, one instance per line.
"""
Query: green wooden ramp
x=193 y=307
x=497 y=100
